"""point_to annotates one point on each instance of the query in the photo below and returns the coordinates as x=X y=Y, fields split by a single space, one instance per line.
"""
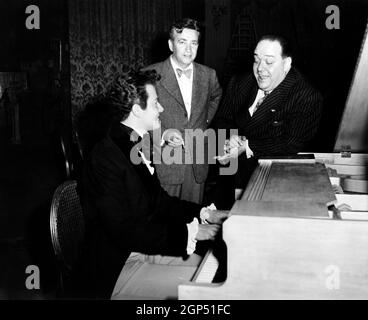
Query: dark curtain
x=107 y=35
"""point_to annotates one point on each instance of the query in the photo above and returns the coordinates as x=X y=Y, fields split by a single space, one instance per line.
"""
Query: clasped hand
x=214 y=218
x=233 y=148
x=207 y=231
x=173 y=138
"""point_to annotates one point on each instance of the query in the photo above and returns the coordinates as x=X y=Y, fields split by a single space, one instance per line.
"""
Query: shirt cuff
x=192 y=233
x=248 y=150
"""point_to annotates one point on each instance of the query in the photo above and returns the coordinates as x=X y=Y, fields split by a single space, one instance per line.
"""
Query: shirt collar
x=263 y=93
x=138 y=131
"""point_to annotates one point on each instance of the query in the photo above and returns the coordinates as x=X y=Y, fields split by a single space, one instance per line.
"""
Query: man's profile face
x=184 y=47
x=269 y=67
x=150 y=116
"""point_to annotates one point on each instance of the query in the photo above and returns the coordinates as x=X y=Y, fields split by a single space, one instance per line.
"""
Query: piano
x=300 y=230
x=283 y=242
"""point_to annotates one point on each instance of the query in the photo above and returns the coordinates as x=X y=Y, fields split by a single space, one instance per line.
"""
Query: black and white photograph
x=175 y=150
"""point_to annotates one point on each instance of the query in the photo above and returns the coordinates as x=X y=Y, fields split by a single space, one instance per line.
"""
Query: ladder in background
x=242 y=43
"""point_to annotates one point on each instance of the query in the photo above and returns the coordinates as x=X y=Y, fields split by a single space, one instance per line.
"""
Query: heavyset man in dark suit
x=190 y=94
x=275 y=110
x=127 y=210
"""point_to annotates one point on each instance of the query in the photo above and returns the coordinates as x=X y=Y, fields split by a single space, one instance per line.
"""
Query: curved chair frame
x=54 y=219
x=68 y=165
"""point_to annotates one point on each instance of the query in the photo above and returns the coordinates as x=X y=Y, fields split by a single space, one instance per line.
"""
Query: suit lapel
x=169 y=82
x=243 y=117
x=199 y=90
x=274 y=100
x=126 y=139
x=252 y=96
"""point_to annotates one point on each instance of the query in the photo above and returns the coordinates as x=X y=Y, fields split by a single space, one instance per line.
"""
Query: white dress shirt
x=260 y=95
x=147 y=162
x=185 y=85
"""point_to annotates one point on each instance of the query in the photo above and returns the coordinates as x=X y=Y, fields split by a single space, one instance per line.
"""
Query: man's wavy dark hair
x=188 y=23
x=129 y=88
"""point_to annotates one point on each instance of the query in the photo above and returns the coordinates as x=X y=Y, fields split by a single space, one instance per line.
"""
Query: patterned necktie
x=260 y=101
x=187 y=72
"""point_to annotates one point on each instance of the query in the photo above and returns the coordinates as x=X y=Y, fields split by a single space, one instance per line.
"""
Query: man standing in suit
x=275 y=111
x=126 y=209
x=190 y=94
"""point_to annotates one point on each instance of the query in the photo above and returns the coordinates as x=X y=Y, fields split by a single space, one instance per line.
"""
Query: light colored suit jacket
x=206 y=95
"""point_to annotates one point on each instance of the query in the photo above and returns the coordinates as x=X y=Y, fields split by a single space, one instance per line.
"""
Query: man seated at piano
x=130 y=218
x=275 y=110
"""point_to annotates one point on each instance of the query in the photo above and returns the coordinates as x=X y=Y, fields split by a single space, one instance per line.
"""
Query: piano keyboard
x=207 y=269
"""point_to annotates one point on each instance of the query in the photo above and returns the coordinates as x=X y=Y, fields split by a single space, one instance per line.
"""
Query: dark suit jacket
x=284 y=123
x=206 y=96
x=127 y=210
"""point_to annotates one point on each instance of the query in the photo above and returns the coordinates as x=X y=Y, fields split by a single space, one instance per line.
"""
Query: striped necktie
x=260 y=101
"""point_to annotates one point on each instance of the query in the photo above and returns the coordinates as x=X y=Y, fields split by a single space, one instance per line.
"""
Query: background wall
x=108 y=35
x=83 y=43
x=42 y=56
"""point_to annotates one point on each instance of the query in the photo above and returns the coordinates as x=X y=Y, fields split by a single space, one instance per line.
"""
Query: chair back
x=67 y=224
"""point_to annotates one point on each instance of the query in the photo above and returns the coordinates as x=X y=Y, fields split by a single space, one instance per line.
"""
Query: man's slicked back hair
x=286 y=50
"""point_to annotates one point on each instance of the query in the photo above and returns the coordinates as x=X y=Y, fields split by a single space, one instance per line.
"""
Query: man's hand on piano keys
x=207 y=231
x=210 y=214
x=217 y=216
